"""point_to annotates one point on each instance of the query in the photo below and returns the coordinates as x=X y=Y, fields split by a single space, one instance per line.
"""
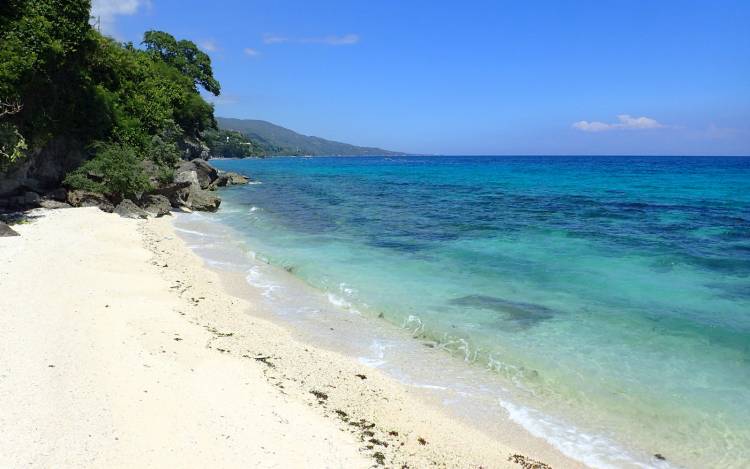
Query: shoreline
x=168 y=324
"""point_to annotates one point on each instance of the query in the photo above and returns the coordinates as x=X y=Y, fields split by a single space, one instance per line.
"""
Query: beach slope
x=99 y=369
x=119 y=348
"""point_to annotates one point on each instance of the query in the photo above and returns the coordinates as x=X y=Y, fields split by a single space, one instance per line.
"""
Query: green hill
x=288 y=142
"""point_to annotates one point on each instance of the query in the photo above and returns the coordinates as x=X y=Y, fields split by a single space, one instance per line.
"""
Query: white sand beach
x=118 y=348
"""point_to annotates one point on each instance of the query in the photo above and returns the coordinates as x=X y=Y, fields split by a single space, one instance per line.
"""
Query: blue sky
x=475 y=77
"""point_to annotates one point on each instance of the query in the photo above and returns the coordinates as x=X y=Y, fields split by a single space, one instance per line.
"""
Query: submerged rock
x=90 y=199
x=524 y=314
x=128 y=209
x=6 y=230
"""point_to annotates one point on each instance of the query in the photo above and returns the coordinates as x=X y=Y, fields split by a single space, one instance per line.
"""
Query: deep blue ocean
x=614 y=291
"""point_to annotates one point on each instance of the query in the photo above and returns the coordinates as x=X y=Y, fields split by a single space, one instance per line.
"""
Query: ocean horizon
x=607 y=296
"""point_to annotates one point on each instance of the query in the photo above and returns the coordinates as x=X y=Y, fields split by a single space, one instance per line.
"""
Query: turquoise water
x=613 y=292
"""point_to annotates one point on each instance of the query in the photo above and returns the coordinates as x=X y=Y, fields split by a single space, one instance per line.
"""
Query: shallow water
x=609 y=293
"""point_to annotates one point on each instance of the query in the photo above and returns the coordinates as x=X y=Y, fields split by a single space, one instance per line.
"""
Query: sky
x=475 y=77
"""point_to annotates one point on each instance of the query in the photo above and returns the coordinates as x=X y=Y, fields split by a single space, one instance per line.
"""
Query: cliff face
x=44 y=168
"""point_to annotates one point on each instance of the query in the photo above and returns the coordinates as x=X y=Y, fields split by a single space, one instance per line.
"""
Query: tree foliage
x=185 y=56
x=111 y=98
x=116 y=170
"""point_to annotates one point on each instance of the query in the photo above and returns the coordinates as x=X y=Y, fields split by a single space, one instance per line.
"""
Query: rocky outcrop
x=190 y=190
x=192 y=149
x=187 y=176
x=202 y=200
x=43 y=168
x=204 y=172
x=6 y=230
x=228 y=179
x=128 y=209
x=89 y=199
x=156 y=205
x=176 y=193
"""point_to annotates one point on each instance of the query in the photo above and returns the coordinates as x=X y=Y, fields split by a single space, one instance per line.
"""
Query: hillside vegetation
x=278 y=140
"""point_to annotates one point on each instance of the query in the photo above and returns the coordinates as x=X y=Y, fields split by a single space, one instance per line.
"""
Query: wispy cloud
x=250 y=52
x=105 y=12
x=209 y=45
x=345 y=40
x=625 y=122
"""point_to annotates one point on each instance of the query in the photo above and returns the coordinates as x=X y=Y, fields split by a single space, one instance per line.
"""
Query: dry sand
x=118 y=348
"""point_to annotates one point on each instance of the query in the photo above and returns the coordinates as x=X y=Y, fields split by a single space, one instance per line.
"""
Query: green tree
x=185 y=56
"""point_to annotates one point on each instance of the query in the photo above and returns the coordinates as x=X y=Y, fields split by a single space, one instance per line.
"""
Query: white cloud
x=105 y=12
x=345 y=40
x=626 y=122
x=275 y=39
x=250 y=52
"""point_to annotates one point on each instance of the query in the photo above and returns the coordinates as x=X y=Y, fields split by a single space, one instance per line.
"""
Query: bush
x=115 y=171
x=12 y=145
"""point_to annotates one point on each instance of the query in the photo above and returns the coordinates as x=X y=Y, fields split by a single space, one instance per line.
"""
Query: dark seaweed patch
x=524 y=314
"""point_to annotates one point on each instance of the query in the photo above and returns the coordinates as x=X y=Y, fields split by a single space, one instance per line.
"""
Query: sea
x=600 y=302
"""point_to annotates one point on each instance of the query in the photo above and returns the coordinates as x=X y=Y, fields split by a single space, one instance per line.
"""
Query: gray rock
x=156 y=205
x=187 y=176
x=192 y=149
x=52 y=204
x=234 y=179
x=151 y=170
x=31 y=199
x=177 y=192
x=6 y=230
x=31 y=184
x=205 y=173
x=203 y=200
x=128 y=209
x=59 y=194
x=229 y=179
x=89 y=199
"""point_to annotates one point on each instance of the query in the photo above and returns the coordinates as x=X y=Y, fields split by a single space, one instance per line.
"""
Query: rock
x=204 y=172
x=192 y=149
x=234 y=179
x=6 y=230
x=43 y=168
x=177 y=192
x=203 y=200
x=31 y=184
x=220 y=181
x=187 y=176
x=31 y=199
x=151 y=170
x=128 y=209
x=52 y=204
x=59 y=194
x=89 y=199
x=229 y=179
x=156 y=205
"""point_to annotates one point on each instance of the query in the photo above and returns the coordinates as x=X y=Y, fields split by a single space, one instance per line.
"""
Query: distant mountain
x=289 y=142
